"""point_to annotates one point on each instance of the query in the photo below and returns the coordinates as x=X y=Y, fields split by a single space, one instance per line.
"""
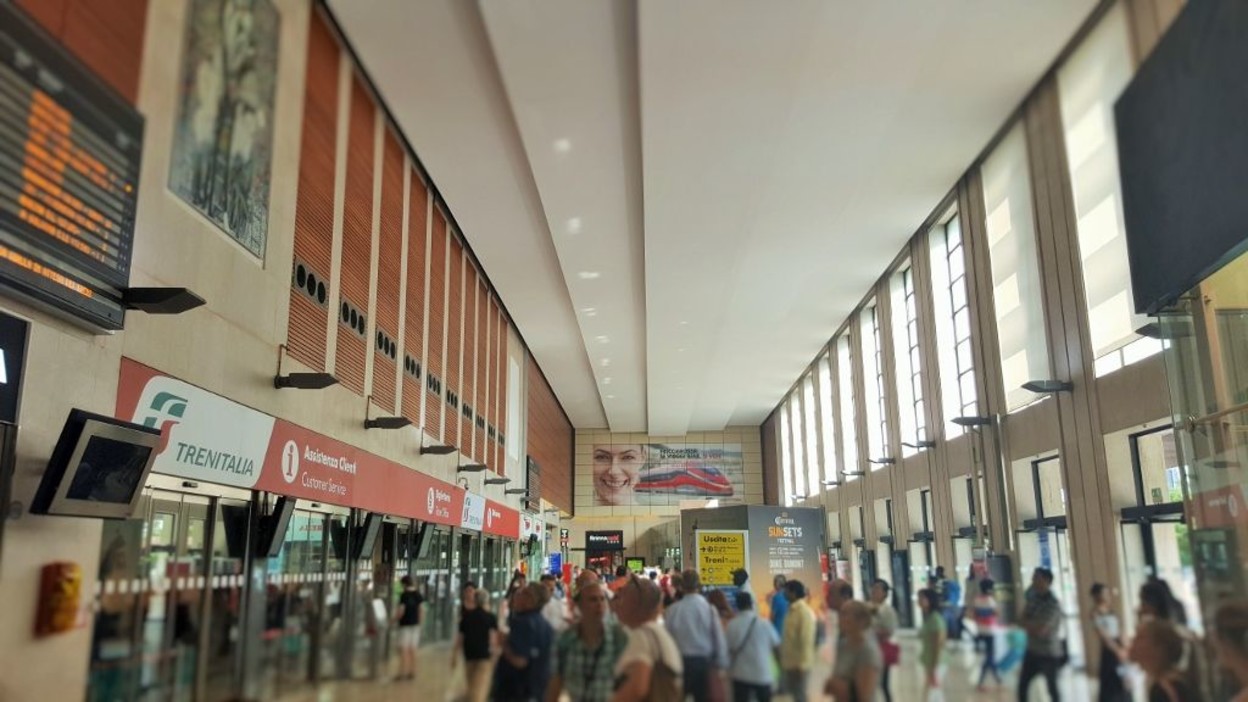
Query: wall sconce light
x=972 y=421
x=437 y=450
x=831 y=483
x=497 y=481
x=886 y=461
x=516 y=491
x=160 y=300
x=852 y=473
x=1048 y=387
x=920 y=444
x=471 y=468
x=300 y=381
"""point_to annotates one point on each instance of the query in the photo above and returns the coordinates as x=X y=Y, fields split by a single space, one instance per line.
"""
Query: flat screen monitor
x=1183 y=153
x=366 y=536
x=98 y=468
x=273 y=527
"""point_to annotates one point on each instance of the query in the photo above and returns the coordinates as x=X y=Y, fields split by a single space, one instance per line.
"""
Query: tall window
x=786 y=454
x=906 y=345
x=826 y=415
x=1088 y=84
x=845 y=373
x=953 y=325
x=873 y=379
x=799 y=445
x=812 y=438
x=1016 y=291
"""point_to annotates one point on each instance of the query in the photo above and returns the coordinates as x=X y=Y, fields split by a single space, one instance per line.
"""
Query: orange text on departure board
x=44 y=203
x=44 y=272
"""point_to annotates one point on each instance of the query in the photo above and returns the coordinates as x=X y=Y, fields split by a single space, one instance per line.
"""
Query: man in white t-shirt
x=553 y=610
x=650 y=666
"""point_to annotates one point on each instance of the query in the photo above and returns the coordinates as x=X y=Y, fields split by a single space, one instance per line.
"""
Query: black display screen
x=110 y=471
x=1183 y=153
x=69 y=168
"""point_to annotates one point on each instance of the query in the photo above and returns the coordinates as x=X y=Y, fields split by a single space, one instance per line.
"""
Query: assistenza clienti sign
x=209 y=438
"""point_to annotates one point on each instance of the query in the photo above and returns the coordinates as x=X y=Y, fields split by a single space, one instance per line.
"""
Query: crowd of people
x=627 y=637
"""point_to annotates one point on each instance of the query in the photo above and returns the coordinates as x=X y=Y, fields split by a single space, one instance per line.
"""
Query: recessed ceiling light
x=605 y=362
x=606 y=380
x=610 y=397
x=589 y=275
x=574 y=225
x=562 y=146
x=680 y=350
x=602 y=338
x=590 y=311
x=684 y=322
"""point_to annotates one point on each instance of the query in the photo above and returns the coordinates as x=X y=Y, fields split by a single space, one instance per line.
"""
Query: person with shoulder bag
x=751 y=646
x=650 y=668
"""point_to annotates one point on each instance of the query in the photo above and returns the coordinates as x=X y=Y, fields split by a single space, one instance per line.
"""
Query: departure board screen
x=69 y=168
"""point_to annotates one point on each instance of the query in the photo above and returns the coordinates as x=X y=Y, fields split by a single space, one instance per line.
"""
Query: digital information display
x=69 y=168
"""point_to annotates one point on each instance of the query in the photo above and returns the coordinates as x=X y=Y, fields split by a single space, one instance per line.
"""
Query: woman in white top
x=1230 y=644
x=649 y=669
x=1112 y=687
x=884 y=624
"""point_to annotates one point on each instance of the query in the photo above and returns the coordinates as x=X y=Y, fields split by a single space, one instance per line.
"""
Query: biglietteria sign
x=206 y=437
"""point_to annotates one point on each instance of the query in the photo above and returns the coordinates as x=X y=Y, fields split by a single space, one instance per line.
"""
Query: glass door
x=225 y=582
x=295 y=592
x=151 y=600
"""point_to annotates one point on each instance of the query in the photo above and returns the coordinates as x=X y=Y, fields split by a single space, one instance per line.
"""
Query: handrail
x=1192 y=422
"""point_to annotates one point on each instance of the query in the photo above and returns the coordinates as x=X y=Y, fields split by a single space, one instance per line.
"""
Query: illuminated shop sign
x=604 y=541
x=70 y=150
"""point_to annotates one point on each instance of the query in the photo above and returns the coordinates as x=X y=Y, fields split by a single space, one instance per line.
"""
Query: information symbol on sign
x=290 y=461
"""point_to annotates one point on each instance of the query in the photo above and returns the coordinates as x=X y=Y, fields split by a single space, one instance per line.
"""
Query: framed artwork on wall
x=223 y=136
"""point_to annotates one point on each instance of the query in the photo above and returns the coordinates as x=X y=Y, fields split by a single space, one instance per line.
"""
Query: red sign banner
x=208 y=437
x=501 y=520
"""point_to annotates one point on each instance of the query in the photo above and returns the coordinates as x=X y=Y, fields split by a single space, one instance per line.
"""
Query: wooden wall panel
x=454 y=342
x=414 y=308
x=307 y=330
x=466 y=424
x=483 y=351
x=389 y=267
x=106 y=35
x=357 y=239
x=771 y=459
x=500 y=387
x=435 y=368
x=549 y=440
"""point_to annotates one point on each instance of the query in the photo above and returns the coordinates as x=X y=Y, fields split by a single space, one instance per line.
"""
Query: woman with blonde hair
x=856 y=675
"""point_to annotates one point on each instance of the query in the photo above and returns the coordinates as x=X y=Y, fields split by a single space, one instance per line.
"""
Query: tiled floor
x=907 y=682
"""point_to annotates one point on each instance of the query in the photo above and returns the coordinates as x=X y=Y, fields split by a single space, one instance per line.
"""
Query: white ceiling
x=680 y=201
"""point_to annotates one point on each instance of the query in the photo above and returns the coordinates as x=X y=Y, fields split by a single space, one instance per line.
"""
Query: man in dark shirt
x=477 y=629
x=408 y=615
x=1042 y=620
x=523 y=670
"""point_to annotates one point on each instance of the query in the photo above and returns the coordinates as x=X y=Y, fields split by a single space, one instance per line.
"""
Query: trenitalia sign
x=206 y=437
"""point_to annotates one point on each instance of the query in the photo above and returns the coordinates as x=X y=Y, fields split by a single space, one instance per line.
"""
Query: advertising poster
x=786 y=542
x=719 y=553
x=663 y=474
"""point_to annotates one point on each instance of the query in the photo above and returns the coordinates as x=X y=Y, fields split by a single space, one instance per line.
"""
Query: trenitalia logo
x=164 y=413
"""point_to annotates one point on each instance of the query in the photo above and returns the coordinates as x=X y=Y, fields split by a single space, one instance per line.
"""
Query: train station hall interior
x=318 y=313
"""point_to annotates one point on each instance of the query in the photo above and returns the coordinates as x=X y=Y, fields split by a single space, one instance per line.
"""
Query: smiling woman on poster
x=617 y=470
